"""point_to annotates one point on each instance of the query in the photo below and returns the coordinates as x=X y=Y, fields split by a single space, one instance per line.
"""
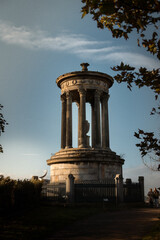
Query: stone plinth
x=84 y=164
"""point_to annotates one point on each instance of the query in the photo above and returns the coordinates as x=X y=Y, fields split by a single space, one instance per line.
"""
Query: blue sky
x=40 y=40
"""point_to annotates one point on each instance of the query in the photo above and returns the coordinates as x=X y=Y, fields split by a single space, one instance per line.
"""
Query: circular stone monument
x=95 y=162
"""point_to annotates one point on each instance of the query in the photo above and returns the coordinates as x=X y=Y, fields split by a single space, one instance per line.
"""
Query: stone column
x=82 y=118
x=69 y=120
x=97 y=119
x=78 y=123
x=63 y=122
x=93 y=124
x=105 y=122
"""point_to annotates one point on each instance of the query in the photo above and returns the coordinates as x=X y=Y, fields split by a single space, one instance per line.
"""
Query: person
x=150 y=195
x=156 y=197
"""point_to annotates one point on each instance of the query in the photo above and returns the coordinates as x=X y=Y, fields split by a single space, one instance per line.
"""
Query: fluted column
x=105 y=122
x=97 y=119
x=63 y=122
x=82 y=118
x=69 y=120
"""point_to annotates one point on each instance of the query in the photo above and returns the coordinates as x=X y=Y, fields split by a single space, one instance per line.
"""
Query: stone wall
x=84 y=171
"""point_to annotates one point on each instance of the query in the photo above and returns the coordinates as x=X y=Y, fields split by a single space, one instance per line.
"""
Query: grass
x=154 y=234
x=40 y=222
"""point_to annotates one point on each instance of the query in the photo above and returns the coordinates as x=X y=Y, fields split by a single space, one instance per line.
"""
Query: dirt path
x=130 y=224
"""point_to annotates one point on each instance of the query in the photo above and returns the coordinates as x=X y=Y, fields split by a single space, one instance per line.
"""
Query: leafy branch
x=3 y=123
x=149 y=143
x=141 y=78
x=121 y=17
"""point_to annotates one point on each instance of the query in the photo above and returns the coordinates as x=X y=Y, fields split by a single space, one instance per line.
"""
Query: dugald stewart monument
x=92 y=159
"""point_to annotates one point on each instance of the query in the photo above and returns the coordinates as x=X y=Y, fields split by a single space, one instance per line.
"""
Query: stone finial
x=84 y=66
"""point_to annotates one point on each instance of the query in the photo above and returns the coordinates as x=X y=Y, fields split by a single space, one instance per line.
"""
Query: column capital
x=68 y=94
x=63 y=97
x=105 y=96
x=82 y=91
x=98 y=93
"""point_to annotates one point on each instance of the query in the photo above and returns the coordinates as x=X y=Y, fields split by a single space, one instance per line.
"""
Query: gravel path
x=130 y=224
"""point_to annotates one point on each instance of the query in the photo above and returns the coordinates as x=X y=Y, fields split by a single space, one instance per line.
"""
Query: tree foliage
x=140 y=78
x=122 y=17
x=3 y=123
x=149 y=143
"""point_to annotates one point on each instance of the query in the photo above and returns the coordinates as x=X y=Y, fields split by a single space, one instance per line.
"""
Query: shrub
x=19 y=193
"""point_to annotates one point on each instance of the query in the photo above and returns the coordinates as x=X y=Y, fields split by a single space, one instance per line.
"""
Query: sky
x=41 y=40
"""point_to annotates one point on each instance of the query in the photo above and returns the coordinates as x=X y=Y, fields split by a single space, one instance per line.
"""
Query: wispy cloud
x=30 y=154
x=101 y=52
x=28 y=38
x=77 y=44
x=135 y=59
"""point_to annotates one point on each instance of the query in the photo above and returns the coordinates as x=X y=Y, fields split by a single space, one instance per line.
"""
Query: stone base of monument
x=85 y=164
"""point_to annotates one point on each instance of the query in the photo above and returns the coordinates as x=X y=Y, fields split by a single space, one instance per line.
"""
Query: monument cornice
x=87 y=75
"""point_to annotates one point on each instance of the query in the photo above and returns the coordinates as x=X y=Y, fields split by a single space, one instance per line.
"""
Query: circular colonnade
x=95 y=162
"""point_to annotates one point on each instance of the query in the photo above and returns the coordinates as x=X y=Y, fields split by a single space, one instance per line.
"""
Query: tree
x=121 y=17
x=3 y=123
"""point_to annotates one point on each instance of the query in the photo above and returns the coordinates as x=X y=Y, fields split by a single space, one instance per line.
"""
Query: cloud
x=97 y=51
x=28 y=38
x=135 y=59
x=30 y=154
x=77 y=44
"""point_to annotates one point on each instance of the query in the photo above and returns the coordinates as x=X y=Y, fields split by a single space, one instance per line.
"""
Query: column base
x=106 y=148
x=98 y=146
x=68 y=147
x=82 y=146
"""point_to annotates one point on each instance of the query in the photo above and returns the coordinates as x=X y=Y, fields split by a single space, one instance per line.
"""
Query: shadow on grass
x=42 y=221
x=154 y=233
